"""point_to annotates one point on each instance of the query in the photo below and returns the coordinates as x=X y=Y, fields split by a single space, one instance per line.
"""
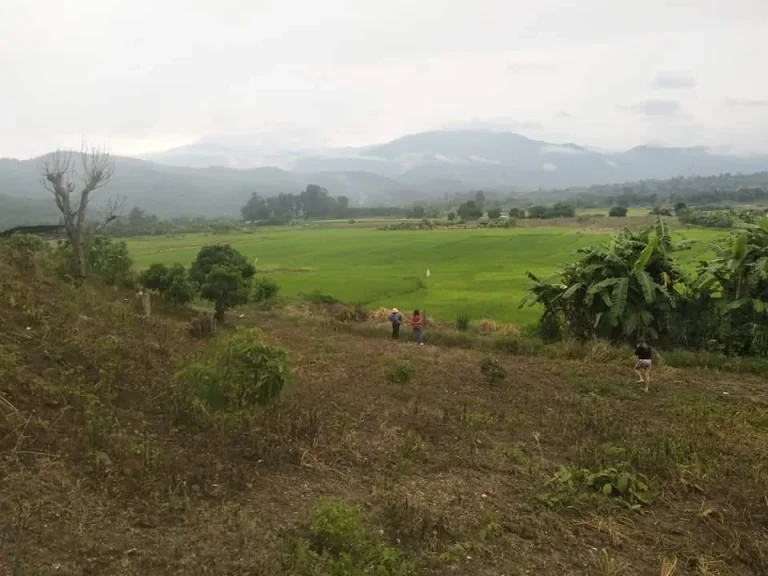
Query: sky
x=142 y=76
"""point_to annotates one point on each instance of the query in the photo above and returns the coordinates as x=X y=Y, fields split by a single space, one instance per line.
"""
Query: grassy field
x=476 y=272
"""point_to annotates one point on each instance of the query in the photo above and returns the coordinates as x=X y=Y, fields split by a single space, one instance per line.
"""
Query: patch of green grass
x=622 y=389
x=477 y=272
x=714 y=361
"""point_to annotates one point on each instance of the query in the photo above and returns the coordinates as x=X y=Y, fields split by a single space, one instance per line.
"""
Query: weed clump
x=492 y=370
x=401 y=373
x=462 y=323
x=339 y=542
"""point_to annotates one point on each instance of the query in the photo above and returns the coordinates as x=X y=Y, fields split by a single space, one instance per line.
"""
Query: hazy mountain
x=477 y=158
x=200 y=179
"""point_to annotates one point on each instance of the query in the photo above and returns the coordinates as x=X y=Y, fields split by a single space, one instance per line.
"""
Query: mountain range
x=216 y=176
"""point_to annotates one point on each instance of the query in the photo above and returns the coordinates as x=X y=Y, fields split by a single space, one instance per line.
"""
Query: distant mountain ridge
x=215 y=178
x=476 y=158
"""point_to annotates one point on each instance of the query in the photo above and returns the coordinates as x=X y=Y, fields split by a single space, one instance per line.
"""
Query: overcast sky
x=145 y=75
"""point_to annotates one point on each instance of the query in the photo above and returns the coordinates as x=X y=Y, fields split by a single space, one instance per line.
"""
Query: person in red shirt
x=417 y=321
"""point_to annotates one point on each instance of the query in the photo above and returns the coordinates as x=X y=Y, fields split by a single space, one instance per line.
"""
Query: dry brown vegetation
x=104 y=470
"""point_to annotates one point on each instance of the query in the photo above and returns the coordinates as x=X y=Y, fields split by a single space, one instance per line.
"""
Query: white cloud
x=145 y=73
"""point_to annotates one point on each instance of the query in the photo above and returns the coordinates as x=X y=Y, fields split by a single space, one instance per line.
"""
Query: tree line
x=693 y=190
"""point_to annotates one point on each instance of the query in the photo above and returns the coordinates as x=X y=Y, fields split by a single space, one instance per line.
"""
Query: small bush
x=462 y=322
x=238 y=372
x=264 y=290
x=617 y=212
x=401 y=373
x=339 y=542
x=492 y=370
x=172 y=283
x=106 y=259
x=26 y=251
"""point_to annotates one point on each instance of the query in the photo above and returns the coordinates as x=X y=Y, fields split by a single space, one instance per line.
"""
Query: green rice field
x=478 y=272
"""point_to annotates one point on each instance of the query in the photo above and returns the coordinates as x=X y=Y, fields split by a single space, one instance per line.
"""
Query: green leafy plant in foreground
x=568 y=484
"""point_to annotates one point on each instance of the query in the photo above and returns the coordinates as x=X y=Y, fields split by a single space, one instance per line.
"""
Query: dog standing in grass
x=644 y=356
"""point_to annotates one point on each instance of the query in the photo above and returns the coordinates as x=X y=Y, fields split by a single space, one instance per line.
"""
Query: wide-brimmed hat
x=395 y=310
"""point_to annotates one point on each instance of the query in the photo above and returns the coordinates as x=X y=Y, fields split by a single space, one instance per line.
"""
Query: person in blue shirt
x=396 y=319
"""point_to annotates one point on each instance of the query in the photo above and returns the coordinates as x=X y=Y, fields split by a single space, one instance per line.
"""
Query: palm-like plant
x=616 y=291
x=738 y=278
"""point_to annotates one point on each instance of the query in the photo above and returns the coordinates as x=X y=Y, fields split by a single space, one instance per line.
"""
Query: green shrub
x=492 y=370
x=462 y=322
x=26 y=251
x=172 y=283
x=263 y=290
x=339 y=542
x=106 y=259
x=401 y=373
x=238 y=372
x=617 y=212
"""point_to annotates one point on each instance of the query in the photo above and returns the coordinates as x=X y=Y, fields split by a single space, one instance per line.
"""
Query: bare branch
x=114 y=207
x=98 y=168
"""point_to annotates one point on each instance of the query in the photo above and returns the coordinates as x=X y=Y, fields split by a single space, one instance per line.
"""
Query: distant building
x=46 y=230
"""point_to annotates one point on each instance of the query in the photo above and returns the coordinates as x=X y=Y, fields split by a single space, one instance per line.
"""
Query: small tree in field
x=223 y=275
x=617 y=211
x=494 y=213
x=72 y=193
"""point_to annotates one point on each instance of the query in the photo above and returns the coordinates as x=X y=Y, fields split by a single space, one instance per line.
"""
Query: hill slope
x=102 y=472
x=170 y=191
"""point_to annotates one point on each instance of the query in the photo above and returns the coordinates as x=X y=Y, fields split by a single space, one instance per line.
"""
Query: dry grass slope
x=104 y=471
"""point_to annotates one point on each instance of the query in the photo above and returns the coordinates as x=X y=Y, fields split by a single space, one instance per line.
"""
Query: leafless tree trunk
x=60 y=177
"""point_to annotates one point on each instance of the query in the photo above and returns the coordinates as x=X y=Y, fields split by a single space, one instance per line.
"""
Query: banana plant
x=618 y=290
x=738 y=278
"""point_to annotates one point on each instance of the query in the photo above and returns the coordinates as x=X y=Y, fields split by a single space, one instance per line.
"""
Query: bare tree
x=62 y=180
